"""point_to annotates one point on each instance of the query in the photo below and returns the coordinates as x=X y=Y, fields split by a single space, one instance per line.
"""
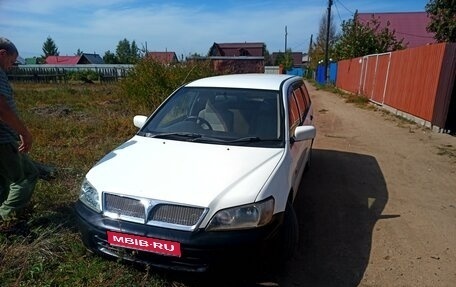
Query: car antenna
x=188 y=74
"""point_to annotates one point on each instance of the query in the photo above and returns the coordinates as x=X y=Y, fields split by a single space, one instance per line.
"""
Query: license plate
x=143 y=243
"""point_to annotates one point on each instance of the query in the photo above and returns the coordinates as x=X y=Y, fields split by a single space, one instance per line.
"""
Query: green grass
x=73 y=127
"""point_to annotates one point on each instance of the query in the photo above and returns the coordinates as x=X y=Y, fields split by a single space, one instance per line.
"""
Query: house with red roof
x=237 y=50
x=74 y=60
x=165 y=58
x=409 y=26
x=230 y=58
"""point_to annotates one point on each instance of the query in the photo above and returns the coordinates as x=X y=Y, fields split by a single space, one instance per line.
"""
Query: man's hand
x=26 y=142
x=8 y=117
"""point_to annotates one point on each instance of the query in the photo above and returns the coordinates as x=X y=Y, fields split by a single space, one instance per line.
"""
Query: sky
x=183 y=27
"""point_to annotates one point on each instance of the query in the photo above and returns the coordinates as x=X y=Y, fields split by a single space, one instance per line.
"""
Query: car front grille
x=176 y=214
x=124 y=206
x=158 y=213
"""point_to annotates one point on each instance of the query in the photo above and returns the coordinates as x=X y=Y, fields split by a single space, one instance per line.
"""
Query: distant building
x=19 y=61
x=74 y=60
x=233 y=58
x=410 y=26
x=237 y=50
x=165 y=58
x=91 y=59
x=32 y=61
x=62 y=60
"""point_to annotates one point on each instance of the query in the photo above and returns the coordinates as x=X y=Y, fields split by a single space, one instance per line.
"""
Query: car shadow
x=340 y=199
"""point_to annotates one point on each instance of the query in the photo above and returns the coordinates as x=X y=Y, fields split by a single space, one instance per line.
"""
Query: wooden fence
x=60 y=73
x=418 y=83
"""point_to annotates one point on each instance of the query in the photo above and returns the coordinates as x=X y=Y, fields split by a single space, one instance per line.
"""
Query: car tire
x=289 y=233
x=285 y=244
x=309 y=160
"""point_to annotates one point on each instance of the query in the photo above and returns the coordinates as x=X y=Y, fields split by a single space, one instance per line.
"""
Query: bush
x=86 y=75
x=150 y=82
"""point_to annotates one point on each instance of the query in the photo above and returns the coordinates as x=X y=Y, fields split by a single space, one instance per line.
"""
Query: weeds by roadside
x=363 y=102
x=73 y=127
x=447 y=150
x=358 y=100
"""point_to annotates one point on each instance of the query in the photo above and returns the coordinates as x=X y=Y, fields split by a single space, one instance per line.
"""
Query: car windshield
x=220 y=116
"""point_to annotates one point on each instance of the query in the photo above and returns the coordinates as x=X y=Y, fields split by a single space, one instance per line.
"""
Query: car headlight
x=242 y=217
x=89 y=196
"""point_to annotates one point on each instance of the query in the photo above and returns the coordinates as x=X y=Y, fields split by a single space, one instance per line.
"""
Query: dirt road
x=378 y=207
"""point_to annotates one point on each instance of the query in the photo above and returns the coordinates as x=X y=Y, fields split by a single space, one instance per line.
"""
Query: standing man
x=18 y=175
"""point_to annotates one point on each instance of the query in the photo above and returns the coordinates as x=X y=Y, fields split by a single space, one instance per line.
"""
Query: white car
x=211 y=174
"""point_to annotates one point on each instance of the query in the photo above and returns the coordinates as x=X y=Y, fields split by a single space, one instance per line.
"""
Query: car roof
x=244 y=81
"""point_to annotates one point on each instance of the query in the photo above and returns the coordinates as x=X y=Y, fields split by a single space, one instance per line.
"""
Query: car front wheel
x=289 y=233
x=286 y=243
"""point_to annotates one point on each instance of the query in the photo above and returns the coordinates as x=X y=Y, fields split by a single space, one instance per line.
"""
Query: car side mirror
x=139 y=121
x=304 y=133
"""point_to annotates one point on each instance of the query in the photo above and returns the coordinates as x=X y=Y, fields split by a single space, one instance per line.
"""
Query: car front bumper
x=199 y=249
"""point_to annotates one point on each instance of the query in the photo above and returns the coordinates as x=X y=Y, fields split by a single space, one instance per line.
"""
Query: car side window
x=303 y=101
x=300 y=100
x=306 y=95
x=293 y=113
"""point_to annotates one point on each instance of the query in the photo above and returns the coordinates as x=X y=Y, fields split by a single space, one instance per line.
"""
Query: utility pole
x=286 y=35
x=328 y=25
x=308 y=54
x=310 y=44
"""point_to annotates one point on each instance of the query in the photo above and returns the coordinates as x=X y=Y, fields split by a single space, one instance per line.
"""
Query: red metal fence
x=418 y=81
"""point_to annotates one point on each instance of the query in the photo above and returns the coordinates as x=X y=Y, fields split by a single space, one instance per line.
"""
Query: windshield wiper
x=245 y=139
x=251 y=140
x=206 y=139
x=173 y=135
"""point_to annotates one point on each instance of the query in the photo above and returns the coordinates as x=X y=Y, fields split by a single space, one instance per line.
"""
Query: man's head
x=8 y=53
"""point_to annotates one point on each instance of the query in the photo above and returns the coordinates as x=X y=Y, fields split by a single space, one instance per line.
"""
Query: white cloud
x=180 y=26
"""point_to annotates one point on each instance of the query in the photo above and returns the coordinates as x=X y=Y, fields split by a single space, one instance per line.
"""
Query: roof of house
x=20 y=61
x=254 y=49
x=93 y=58
x=74 y=60
x=410 y=26
x=163 y=57
x=62 y=60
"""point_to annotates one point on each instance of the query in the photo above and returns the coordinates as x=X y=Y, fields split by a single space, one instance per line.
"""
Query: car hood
x=185 y=172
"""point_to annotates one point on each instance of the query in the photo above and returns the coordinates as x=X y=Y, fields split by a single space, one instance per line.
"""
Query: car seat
x=218 y=115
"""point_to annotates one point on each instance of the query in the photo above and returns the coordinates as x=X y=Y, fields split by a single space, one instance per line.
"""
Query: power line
x=351 y=12
x=337 y=8
x=300 y=45
x=413 y=35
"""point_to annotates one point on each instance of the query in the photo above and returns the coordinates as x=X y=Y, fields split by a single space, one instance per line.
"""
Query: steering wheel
x=203 y=123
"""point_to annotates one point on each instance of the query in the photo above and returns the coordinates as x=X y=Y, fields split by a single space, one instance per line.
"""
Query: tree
x=79 y=52
x=126 y=53
x=110 y=58
x=443 y=19
x=267 y=56
x=134 y=52
x=364 y=39
x=284 y=59
x=317 y=52
x=49 y=48
x=123 y=51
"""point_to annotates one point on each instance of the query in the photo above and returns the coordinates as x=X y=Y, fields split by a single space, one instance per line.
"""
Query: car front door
x=299 y=113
